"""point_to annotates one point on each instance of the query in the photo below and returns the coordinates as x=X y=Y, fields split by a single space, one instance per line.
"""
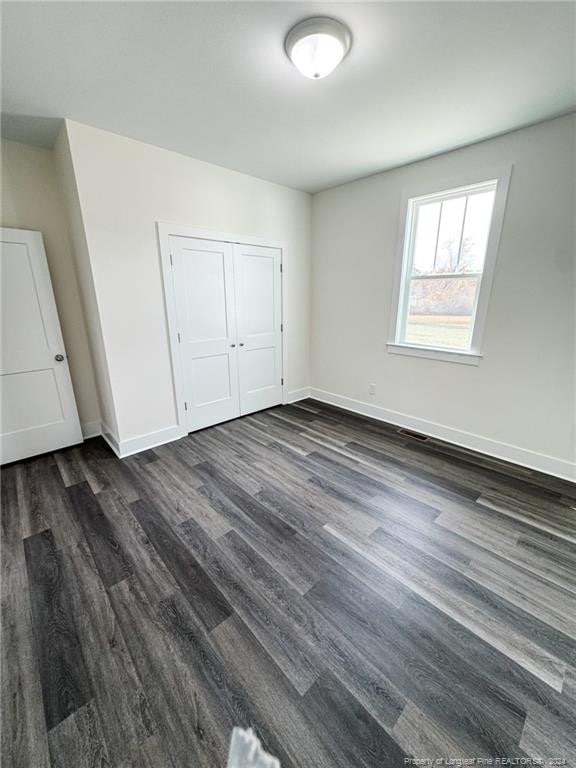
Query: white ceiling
x=211 y=79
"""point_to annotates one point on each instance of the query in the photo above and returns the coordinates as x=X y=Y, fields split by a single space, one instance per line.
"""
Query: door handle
x=59 y=358
x=241 y=344
x=232 y=345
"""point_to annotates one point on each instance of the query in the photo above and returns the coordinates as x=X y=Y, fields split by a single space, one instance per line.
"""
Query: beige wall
x=123 y=188
x=67 y=180
x=31 y=199
x=519 y=402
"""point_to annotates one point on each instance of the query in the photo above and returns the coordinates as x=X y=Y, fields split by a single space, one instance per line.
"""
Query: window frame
x=443 y=189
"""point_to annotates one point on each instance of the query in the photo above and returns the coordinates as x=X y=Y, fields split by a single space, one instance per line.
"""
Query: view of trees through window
x=448 y=247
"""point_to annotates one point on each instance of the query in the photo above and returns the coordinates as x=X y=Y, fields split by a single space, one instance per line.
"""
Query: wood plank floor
x=355 y=595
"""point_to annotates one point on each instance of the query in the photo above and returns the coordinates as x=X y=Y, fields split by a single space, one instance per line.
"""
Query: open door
x=38 y=406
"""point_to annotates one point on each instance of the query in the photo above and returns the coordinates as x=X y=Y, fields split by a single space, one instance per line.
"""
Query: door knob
x=232 y=345
x=241 y=344
x=58 y=358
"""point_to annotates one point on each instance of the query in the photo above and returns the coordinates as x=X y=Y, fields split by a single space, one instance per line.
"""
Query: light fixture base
x=332 y=40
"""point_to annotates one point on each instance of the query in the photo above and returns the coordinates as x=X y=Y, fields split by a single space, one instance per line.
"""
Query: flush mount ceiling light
x=316 y=46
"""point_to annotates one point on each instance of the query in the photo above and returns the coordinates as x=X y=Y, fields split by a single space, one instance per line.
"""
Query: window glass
x=476 y=230
x=444 y=257
x=440 y=312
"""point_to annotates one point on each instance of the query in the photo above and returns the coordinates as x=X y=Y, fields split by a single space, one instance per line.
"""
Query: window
x=448 y=255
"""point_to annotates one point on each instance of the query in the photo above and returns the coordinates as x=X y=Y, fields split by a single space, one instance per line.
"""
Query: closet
x=228 y=307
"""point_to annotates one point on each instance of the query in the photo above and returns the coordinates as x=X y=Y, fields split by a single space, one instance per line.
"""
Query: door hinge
x=171 y=262
x=281 y=327
x=179 y=339
x=185 y=405
x=282 y=382
x=281 y=267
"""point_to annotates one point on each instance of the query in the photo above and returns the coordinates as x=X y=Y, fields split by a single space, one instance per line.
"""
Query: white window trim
x=501 y=174
x=435 y=353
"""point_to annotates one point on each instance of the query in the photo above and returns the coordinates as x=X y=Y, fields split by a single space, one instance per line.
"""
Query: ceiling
x=211 y=79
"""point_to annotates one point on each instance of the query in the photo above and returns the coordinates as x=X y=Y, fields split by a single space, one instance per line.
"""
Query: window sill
x=444 y=355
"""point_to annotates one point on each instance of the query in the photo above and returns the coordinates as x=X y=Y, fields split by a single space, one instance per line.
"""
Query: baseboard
x=150 y=440
x=111 y=438
x=91 y=429
x=298 y=394
x=504 y=451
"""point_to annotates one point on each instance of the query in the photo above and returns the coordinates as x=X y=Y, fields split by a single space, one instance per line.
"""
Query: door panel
x=259 y=312
x=28 y=336
x=205 y=306
x=21 y=406
x=38 y=407
x=212 y=379
x=260 y=369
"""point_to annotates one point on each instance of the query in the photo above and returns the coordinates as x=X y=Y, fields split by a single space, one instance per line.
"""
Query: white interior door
x=258 y=283
x=205 y=307
x=38 y=407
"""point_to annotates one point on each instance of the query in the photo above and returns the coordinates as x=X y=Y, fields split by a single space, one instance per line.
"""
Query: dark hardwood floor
x=355 y=595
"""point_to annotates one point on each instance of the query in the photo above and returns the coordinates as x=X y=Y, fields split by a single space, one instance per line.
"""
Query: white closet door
x=38 y=407
x=259 y=312
x=205 y=306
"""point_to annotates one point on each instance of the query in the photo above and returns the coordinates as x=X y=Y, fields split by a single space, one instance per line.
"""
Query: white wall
x=31 y=199
x=123 y=188
x=69 y=189
x=519 y=402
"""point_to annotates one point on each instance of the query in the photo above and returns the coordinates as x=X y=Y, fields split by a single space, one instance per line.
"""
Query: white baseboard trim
x=298 y=394
x=111 y=438
x=150 y=440
x=505 y=451
x=91 y=429
x=124 y=448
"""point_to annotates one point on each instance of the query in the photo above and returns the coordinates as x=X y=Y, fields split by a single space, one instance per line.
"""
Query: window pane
x=440 y=312
x=426 y=232
x=476 y=229
x=451 y=220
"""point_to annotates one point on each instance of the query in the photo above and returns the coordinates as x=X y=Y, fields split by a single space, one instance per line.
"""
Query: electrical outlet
x=371 y=389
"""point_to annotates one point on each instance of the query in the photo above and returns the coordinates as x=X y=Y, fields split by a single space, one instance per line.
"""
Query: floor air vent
x=413 y=435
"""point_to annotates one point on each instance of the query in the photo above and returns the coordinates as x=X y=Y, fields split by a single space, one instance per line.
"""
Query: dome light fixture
x=316 y=46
